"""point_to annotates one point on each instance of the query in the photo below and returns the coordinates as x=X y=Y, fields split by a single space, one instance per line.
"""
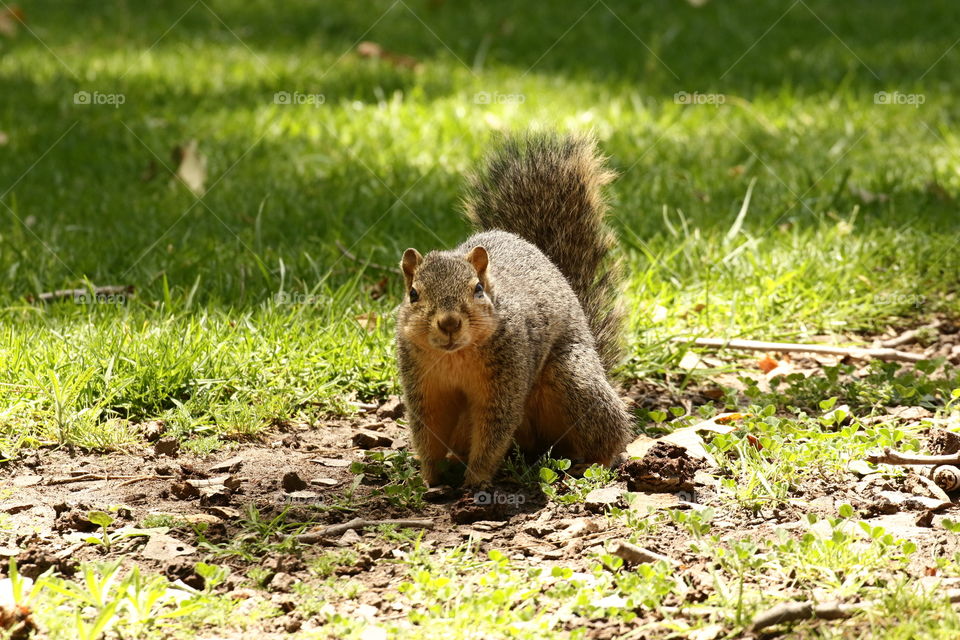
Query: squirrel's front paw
x=475 y=480
x=430 y=473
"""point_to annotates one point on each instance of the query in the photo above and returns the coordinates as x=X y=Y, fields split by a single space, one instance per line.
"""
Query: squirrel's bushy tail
x=546 y=188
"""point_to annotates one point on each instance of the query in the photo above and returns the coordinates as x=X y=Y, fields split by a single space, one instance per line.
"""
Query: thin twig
x=941 y=471
x=857 y=353
x=632 y=553
x=146 y=477
x=360 y=523
x=910 y=336
x=94 y=477
x=808 y=610
x=895 y=457
x=346 y=254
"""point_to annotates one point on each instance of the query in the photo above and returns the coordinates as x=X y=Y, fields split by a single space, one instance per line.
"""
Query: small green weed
x=566 y=488
x=258 y=536
x=398 y=470
x=105 y=599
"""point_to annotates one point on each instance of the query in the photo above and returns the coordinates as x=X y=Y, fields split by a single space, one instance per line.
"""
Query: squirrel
x=510 y=336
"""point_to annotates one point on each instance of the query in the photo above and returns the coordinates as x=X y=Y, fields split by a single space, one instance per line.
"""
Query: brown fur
x=452 y=384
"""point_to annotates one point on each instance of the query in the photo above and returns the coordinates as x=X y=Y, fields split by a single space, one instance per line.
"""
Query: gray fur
x=539 y=335
x=547 y=189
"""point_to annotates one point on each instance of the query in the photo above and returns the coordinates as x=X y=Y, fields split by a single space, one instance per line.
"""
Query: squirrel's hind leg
x=576 y=412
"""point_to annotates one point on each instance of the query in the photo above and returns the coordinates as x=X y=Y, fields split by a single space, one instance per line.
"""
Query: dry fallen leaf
x=697 y=308
x=331 y=462
x=367 y=49
x=27 y=480
x=692 y=442
x=163 y=547
x=726 y=418
x=191 y=166
x=714 y=393
x=4 y=138
x=767 y=364
x=603 y=496
x=784 y=368
x=690 y=361
x=640 y=445
x=227 y=513
x=368 y=321
x=643 y=501
x=868 y=197
x=378 y=289
x=687 y=438
x=11 y=16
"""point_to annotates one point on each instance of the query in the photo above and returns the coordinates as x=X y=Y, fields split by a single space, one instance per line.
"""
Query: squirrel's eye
x=478 y=289
x=414 y=296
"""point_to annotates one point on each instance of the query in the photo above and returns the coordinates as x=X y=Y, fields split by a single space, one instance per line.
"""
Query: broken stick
x=359 y=523
x=889 y=456
x=857 y=353
x=808 y=610
x=942 y=470
x=97 y=477
x=794 y=611
x=911 y=336
x=373 y=265
x=632 y=553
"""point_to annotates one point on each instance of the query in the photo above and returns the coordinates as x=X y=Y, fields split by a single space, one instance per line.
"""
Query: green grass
x=245 y=307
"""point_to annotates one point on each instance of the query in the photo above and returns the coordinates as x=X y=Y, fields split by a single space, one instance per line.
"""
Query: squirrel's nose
x=449 y=323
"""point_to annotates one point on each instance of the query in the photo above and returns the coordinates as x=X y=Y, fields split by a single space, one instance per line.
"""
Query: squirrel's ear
x=411 y=260
x=479 y=259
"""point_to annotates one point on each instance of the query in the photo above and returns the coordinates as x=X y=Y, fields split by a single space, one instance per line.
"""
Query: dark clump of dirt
x=292 y=481
x=943 y=442
x=666 y=467
x=35 y=559
x=73 y=518
x=166 y=447
x=494 y=504
x=17 y=623
x=184 y=569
